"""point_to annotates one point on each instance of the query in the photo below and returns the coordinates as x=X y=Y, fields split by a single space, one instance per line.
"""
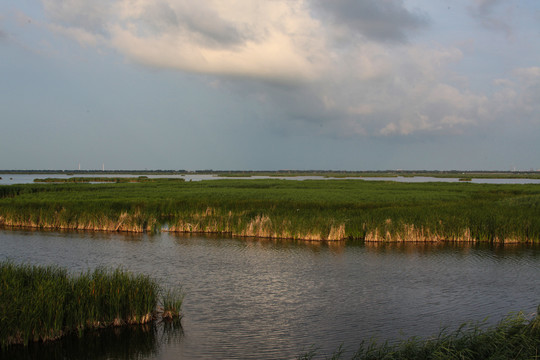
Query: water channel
x=11 y=179
x=267 y=299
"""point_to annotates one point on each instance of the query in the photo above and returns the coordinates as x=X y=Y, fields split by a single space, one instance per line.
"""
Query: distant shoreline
x=478 y=174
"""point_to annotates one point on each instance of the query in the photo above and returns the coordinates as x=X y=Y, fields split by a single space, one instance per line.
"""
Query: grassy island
x=44 y=303
x=272 y=208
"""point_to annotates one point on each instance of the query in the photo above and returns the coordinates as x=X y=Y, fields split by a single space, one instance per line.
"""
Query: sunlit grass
x=313 y=209
x=44 y=303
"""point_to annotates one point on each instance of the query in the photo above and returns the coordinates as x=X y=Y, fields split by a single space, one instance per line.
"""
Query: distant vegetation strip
x=515 y=337
x=103 y=179
x=41 y=303
x=532 y=174
x=310 y=210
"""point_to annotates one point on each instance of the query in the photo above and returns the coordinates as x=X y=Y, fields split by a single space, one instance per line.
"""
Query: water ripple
x=248 y=298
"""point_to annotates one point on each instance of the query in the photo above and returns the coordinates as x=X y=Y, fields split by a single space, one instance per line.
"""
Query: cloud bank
x=345 y=67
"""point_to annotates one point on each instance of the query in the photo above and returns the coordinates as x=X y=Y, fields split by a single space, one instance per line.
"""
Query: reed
x=310 y=210
x=171 y=304
x=44 y=303
x=514 y=337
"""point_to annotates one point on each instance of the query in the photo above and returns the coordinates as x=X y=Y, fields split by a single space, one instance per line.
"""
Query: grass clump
x=171 y=303
x=40 y=303
x=515 y=337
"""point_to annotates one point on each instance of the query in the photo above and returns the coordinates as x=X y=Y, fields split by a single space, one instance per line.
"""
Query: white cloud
x=530 y=75
x=528 y=92
x=268 y=39
x=301 y=59
x=80 y=35
x=517 y=99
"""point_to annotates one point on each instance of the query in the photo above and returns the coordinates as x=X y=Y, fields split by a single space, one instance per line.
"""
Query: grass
x=515 y=337
x=311 y=209
x=44 y=303
x=171 y=304
x=103 y=180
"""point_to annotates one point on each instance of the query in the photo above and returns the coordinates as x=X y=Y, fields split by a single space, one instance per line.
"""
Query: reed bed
x=372 y=211
x=103 y=179
x=40 y=303
x=515 y=337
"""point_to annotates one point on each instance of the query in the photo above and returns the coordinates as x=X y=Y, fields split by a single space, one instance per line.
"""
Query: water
x=10 y=179
x=266 y=299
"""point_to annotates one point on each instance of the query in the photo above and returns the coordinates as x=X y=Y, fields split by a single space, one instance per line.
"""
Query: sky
x=270 y=84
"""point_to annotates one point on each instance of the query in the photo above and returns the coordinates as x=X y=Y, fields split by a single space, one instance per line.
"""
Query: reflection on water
x=267 y=299
x=129 y=343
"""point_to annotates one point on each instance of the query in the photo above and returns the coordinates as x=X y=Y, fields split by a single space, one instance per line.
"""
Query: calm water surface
x=11 y=179
x=260 y=299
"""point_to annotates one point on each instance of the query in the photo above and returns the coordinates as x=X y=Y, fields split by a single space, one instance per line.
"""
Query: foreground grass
x=515 y=337
x=310 y=210
x=44 y=303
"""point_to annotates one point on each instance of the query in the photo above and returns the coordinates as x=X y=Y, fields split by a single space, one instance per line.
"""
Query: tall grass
x=44 y=303
x=515 y=337
x=316 y=210
x=171 y=303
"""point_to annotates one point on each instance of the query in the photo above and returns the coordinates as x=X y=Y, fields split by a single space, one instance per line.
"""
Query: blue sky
x=270 y=84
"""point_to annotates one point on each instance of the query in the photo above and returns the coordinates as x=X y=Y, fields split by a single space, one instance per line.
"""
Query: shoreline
x=374 y=238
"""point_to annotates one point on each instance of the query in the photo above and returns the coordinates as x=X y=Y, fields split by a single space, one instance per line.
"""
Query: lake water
x=267 y=299
x=10 y=179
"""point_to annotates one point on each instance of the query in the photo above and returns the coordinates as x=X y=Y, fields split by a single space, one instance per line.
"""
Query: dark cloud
x=485 y=7
x=3 y=34
x=212 y=29
x=161 y=17
x=383 y=20
x=88 y=15
x=200 y=22
x=485 y=12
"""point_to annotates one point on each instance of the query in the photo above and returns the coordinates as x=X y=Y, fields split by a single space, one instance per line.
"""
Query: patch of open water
x=267 y=299
x=11 y=179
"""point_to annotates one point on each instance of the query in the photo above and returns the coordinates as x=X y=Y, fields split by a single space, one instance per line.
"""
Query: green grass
x=103 y=179
x=44 y=303
x=311 y=209
x=515 y=337
x=171 y=304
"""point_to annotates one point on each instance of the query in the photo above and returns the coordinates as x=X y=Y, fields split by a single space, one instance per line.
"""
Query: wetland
x=374 y=211
x=274 y=268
